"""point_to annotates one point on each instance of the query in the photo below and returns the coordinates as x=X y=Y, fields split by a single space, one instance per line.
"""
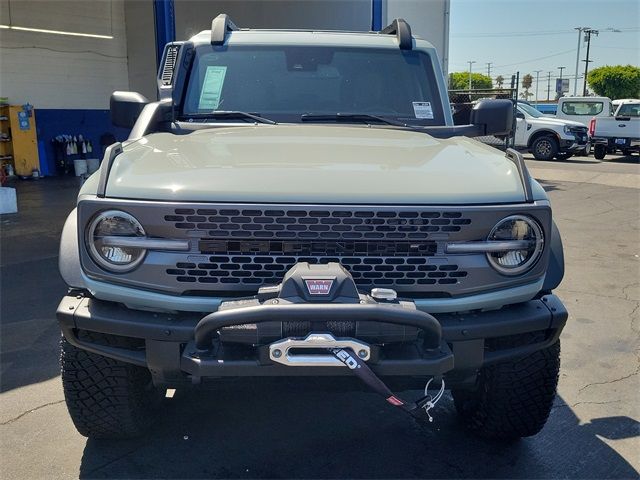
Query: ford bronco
x=300 y=204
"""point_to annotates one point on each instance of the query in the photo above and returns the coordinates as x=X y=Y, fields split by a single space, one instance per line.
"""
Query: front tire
x=512 y=399
x=544 y=147
x=599 y=151
x=105 y=398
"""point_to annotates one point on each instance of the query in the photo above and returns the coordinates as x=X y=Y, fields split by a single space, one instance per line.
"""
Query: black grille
x=248 y=248
x=367 y=272
x=317 y=224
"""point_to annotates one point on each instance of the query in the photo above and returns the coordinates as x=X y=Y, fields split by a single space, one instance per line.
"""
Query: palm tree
x=527 y=80
x=499 y=81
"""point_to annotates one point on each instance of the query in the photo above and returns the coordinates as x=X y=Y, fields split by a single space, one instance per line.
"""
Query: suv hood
x=313 y=164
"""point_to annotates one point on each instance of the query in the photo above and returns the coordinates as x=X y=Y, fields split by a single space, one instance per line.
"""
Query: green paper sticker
x=212 y=88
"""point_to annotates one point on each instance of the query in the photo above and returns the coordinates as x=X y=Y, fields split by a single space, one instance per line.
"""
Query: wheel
x=599 y=151
x=105 y=398
x=544 y=148
x=512 y=399
x=564 y=156
x=584 y=152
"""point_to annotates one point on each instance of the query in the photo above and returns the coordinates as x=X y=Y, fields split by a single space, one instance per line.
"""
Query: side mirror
x=126 y=108
x=520 y=115
x=493 y=117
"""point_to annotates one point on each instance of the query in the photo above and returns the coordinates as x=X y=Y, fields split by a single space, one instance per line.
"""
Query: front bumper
x=573 y=146
x=168 y=342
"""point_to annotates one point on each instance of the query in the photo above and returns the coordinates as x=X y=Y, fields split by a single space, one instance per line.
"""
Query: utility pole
x=549 y=87
x=575 y=80
x=537 y=72
x=489 y=69
x=588 y=33
x=471 y=62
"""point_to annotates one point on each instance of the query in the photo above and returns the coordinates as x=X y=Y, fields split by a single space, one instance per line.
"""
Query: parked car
x=618 y=133
x=299 y=203
x=547 y=137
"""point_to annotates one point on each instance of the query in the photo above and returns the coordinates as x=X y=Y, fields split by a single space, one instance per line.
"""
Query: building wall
x=61 y=71
x=68 y=79
x=141 y=47
x=193 y=16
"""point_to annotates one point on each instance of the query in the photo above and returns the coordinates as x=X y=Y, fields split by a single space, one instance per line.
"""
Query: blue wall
x=91 y=124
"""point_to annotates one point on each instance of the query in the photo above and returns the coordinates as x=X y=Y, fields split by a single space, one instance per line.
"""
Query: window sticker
x=422 y=110
x=212 y=88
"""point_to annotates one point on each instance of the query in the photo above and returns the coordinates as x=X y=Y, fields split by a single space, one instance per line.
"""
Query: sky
x=529 y=35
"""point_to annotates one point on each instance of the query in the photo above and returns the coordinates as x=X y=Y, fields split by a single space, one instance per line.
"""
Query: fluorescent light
x=56 y=32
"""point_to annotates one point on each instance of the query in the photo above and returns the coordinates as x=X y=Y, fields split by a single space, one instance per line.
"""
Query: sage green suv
x=299 y=203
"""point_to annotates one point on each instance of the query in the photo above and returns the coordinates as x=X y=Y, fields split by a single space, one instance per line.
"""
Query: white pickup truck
x=620 y=132
x=548 y=137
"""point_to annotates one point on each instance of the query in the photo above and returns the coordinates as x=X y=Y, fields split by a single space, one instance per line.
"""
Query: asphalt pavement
x=293 y=430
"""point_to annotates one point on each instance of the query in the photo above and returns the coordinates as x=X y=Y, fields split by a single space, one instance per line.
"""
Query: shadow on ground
x=30 y=282
x=274 y=433
x=626 y=159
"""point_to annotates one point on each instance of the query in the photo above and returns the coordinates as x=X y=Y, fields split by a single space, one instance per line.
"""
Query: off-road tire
x=599 y=152
x=512 y=399
x=105 y=398
x=544 y=147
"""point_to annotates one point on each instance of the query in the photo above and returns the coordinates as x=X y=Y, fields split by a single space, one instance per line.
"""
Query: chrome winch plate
x=290 y=351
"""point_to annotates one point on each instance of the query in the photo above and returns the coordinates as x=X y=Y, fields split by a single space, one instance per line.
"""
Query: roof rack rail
x=220 y=26
x=401 y=29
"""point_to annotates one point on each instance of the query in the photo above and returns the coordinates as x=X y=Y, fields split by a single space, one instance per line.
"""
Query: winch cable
x=418 y=409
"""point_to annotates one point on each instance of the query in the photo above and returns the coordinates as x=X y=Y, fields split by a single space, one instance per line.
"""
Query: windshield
x=529 y=110
x=282 y=83
x=629 y=110
x=582 y=108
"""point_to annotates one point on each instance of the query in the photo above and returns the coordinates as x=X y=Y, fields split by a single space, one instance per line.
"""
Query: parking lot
x=309 y=431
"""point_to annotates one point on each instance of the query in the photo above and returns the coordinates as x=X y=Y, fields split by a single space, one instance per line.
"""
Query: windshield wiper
x=353 y=117
x=231 y=114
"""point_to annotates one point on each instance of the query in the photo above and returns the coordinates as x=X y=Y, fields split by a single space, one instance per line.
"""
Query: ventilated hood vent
x=168 y=68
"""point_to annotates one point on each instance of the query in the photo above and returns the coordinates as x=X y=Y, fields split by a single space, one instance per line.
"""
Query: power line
x=536 y=59
x=531 y=33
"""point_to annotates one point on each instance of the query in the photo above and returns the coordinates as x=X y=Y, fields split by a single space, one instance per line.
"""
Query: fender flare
x=69 y=257
x=555 y=268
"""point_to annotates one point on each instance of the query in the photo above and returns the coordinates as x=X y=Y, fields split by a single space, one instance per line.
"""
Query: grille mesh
x=317 y=224
x=248 y=248
x=367 y=272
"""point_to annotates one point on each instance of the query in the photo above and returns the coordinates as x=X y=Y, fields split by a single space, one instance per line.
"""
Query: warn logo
x=318 y=287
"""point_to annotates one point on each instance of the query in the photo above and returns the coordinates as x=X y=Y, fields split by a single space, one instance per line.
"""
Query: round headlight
x=516 y=227
x=104 y=251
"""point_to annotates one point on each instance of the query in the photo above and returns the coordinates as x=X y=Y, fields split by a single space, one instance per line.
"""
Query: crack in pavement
x=611 y=381
x=573 y=405
x=11 y=420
